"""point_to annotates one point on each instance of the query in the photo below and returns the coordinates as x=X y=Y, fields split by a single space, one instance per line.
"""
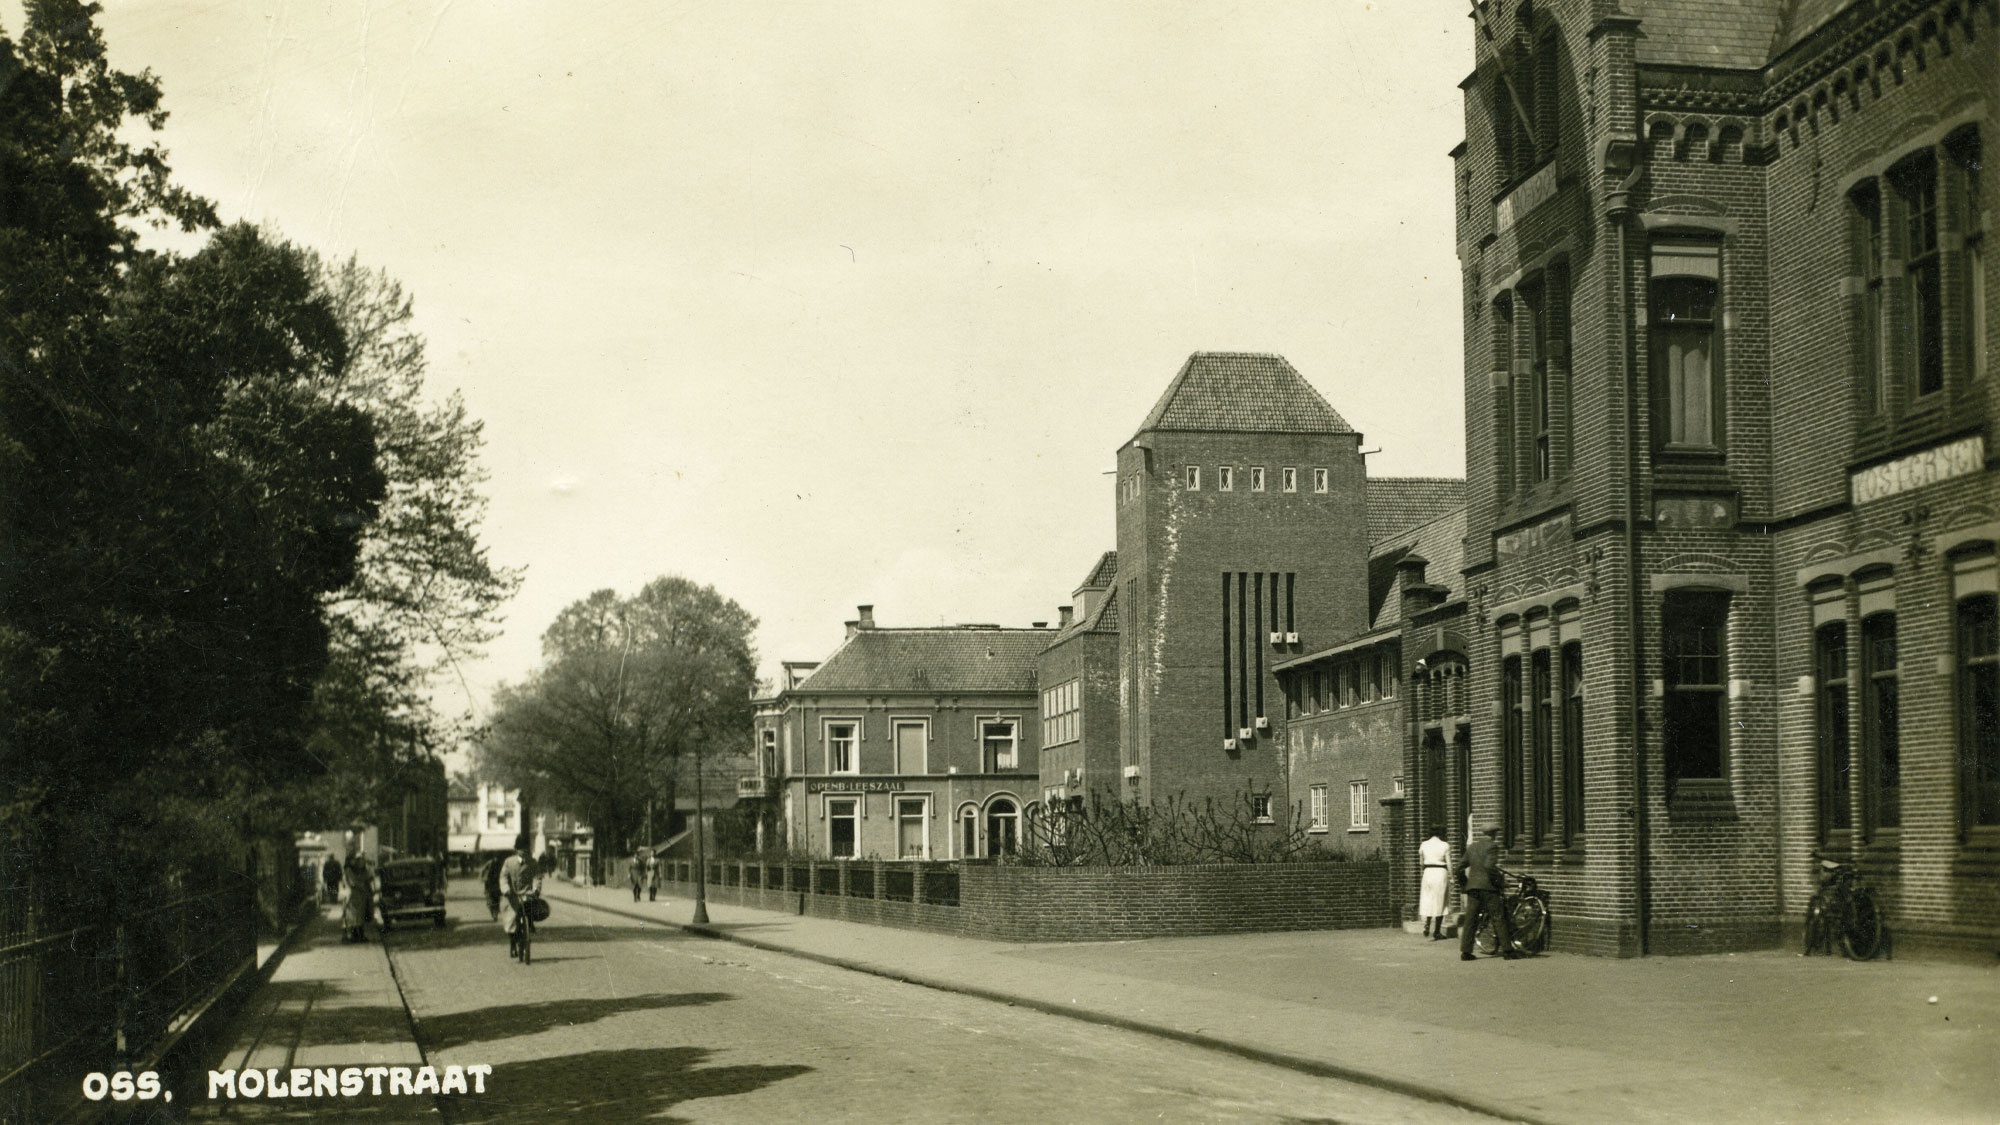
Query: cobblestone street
x=617 y=1020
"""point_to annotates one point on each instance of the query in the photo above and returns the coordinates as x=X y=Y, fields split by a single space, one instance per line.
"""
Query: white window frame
x=1256 y=478
x=767 y=762
x=827 y=803
x=1289 y=478
x=968 y=815
x=1319 y=480
x=1194 y=478
x=1014 y=723
x=922 y=800
x=1225 y=478
x=826 y=726
x=896 y=723
x=792 y=765
x=1357 y=805
x=1061 y=713
x=1260 y=807
x=1318 y=809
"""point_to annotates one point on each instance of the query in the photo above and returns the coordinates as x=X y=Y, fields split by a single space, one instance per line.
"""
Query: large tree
x=631 y=692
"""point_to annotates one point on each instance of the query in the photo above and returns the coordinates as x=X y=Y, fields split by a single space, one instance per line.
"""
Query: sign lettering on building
x=1530 y=194
x=1960 y=458
x=872 y=785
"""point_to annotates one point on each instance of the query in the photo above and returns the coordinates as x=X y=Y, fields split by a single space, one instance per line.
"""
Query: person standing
x=652 y=878
x=331 y=875
x=1481 y=880
x=360 y=899
x=1436 y=857
x=638 y=873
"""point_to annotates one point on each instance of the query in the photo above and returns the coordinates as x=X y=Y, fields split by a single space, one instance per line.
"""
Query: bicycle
x=521 y=941
x=1527 y=907
x=1844 y=909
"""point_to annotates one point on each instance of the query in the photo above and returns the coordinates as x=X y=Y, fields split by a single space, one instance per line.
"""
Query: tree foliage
x=1163 y=833
x=631 y=692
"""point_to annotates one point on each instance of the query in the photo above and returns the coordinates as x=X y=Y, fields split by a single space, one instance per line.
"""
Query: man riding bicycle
x=520 y=877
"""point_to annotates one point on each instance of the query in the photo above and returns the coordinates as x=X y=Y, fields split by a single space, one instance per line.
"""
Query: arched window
x=1003 y=827
x=968 y=832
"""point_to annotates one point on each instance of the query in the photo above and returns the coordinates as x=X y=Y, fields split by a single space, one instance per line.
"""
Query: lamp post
x=700 y=851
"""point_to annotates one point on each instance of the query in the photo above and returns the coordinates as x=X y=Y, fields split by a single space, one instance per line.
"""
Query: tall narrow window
x=1572 y=771
x=1256 y=479
x=1000 y=741
x=1542 y=772
x=1461 y=779
x=912 y=743
x=1535 y=301
x=1289 y=479
x=1225 y=479
x=843 y=822
x=842 y=748
x=1686 y=367
x=1881 y=721
x=1194 y=478
x=1836 y=786
x=1979 y=707
x=1511 y=749
x=1964 y=151
x=1916 y=188
x=1695 y=630
x=968 y=833
x=1003 y=827
x=1319 y=480
x=1866 y=206
x=1318 y=809
x=1357 y=806
x=912 y=839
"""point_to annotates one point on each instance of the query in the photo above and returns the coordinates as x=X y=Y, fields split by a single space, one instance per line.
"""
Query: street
x=618 y=1020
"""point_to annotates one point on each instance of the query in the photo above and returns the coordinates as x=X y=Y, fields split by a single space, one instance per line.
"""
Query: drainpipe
x=1618 y=210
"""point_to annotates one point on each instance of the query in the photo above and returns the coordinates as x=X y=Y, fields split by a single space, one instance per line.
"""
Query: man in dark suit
x=1479 y=877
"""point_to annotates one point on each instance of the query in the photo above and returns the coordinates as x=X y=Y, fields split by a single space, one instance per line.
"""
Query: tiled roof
x=1736 y=34
x=1440 y=542
x=1803 y=18
x=1100 y=575
x=1240 y=392
x=1398 y=503
x=952 y=659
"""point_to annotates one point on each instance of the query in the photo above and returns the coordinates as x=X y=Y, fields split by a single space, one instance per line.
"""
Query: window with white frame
x=1318 y=809
x=843 y=746
x=843 y=827
x=911 y=738
x=1194 y=478
x=1319 y=480
x=912 y=828
x=1062 y=713
x=1000 y=744
x=1288 y=479
x=1260 y=807
x=1357 y=806
x=1225 y=479
x=1256 y=478
x=968 y=832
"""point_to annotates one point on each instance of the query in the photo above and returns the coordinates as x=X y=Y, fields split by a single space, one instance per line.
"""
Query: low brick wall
x=1036 y=904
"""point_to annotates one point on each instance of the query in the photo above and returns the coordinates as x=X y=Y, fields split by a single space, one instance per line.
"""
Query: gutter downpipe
x=1618 y=210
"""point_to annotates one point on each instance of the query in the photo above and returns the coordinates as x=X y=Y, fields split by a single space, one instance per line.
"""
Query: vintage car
x=407 y=889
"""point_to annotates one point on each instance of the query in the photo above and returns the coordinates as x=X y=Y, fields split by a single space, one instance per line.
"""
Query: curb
x=409 y=1014
x=1315 y=1067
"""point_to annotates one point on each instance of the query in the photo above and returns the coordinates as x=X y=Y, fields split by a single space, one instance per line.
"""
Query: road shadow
x=634 y=1084
x=318 y=1012
x=442 y=1033
x=475 y=932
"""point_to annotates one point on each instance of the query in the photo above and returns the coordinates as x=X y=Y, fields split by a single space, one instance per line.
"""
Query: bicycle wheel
x=1863 y=933
x=527 y=943
x=1819 y=938
x=1484 y=940
x=1530 y=922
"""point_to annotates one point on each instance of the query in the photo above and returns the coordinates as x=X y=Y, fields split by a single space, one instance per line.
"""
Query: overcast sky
x=840 y=303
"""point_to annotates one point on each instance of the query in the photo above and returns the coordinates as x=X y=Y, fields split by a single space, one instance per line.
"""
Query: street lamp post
x=700 y=851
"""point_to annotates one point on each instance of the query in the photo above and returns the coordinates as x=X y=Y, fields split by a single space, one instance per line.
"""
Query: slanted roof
x=1242 y=392
x=1100 y=575
x=1441 y=544
x=946 y=659
x=1396 y=504
x=1731 y=34
x=1102 y=619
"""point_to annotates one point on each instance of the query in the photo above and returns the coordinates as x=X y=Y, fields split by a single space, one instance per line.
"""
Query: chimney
x=1038 y=624
x=853 y=627
x=1066 y=616
x=867 y=614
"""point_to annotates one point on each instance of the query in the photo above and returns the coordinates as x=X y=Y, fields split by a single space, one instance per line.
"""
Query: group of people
x=1477 y=875
x=645 y=874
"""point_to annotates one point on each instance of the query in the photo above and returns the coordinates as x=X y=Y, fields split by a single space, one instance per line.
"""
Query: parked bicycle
x=1527 y=907
x=1842 y=910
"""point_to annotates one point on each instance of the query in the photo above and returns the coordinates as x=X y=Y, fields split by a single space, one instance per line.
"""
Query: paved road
x=621 y=1021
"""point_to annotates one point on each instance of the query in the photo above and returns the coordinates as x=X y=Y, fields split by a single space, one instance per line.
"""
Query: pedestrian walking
x=1436 y=857
x=360 y=899
x=489 y=881
x=1479 y=877
x=652 y=878
x=638 y=873
x=331 y=875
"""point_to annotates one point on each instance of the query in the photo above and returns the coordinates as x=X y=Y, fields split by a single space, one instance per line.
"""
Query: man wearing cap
x=1479 y=877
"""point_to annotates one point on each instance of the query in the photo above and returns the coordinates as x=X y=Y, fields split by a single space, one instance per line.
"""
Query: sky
x=844 y=303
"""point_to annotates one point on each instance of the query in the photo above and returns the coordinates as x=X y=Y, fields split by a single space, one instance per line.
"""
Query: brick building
x=1728 y=568
x=905 y=743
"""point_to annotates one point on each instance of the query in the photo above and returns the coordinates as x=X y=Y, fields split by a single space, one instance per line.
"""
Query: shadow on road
x=441 y=1033
x=634 y=1084
x=475 y=932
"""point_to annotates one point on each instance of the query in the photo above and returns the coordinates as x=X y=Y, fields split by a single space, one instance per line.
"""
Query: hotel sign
x=874 y=785
x=1526 y=196
x=1960 y=458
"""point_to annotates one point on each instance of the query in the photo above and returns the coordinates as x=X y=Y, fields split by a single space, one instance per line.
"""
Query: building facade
x=1728 y=592
x=909 y=744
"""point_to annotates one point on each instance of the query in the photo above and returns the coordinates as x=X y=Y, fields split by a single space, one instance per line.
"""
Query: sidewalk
x=1754 y=1037
x=327 y=1004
